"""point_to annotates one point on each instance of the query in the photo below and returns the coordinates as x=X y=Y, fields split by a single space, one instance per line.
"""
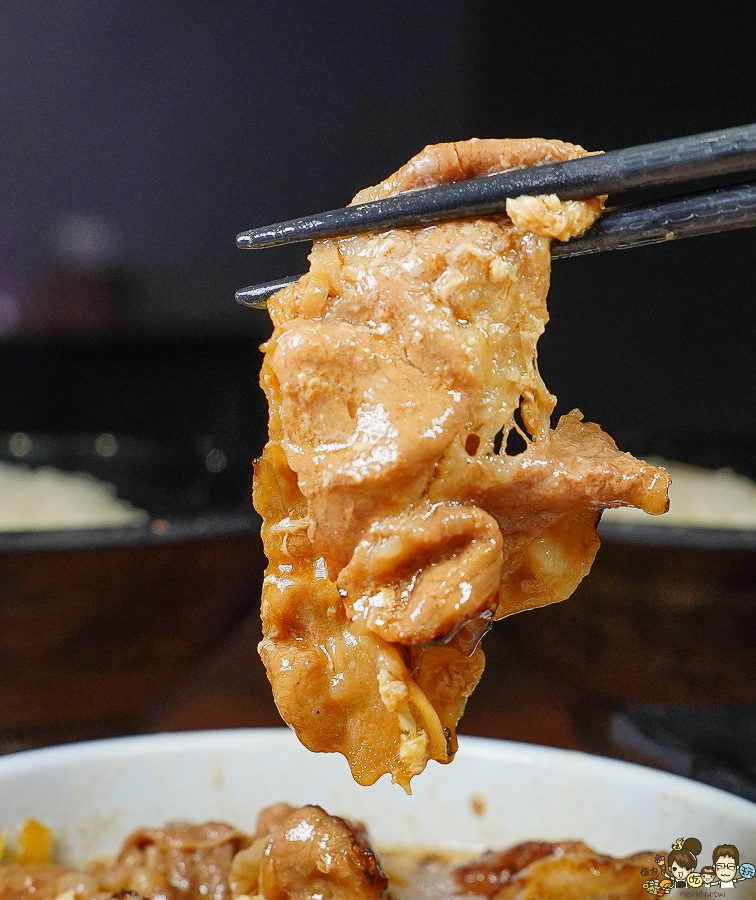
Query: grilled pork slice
x=533 y=870
x=295 y=854
x=579 y=873
x=398 y=519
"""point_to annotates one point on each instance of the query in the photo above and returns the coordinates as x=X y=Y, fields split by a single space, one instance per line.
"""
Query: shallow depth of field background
x=140 y=136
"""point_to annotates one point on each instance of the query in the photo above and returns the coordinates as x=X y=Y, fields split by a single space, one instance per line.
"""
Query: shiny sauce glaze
x=307 y=854
x=413 y=488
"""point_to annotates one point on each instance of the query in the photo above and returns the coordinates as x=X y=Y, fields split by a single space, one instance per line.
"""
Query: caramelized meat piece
x=180 y=861
x=396 y=524
x=534 y=870
x=36 y=882
x=294 y=854
x=305 y=854
x=579 y=874
x=494 y=868
x=312 y=854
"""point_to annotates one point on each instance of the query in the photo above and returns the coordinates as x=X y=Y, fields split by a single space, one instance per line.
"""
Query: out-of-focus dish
x=698 y=498
x=498 y=794
x=712 y=450
x=97 y=624
x=48 y=499
x=187 y=489
x=668 y=614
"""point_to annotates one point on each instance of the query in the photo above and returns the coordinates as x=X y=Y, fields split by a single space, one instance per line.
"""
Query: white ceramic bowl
x=93 y=794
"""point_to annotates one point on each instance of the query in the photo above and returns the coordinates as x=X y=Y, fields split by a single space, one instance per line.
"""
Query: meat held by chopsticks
x=398 y=523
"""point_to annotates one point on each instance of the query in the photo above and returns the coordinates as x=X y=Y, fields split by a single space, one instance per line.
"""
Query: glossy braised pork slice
x=494 y=868
x=295 y=854
x=313 y=854
x=179 y=862
x=36 y=882
x=533 y=870
x=340 y=688
x=580 y=874
x=396 y=524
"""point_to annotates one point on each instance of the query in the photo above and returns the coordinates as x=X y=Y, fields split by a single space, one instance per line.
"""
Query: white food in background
x=47 y=499
x=700 y=498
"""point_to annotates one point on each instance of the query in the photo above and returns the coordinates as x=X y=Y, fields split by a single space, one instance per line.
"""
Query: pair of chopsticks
x=676 y=167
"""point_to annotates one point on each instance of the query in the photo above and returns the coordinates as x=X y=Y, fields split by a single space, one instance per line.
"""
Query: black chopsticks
x=683 y=163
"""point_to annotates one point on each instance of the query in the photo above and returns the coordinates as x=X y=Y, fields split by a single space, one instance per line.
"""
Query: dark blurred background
x=140 y=136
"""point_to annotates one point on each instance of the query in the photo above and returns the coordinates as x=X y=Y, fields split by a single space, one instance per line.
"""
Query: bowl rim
x=120 y=749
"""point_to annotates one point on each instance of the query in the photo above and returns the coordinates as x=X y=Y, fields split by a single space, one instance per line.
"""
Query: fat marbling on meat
x=396 y=523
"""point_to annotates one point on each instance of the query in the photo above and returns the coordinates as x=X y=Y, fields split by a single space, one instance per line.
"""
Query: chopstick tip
x=252 y=298
x=257 y=295
x=270 y=236
x=244 y=241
